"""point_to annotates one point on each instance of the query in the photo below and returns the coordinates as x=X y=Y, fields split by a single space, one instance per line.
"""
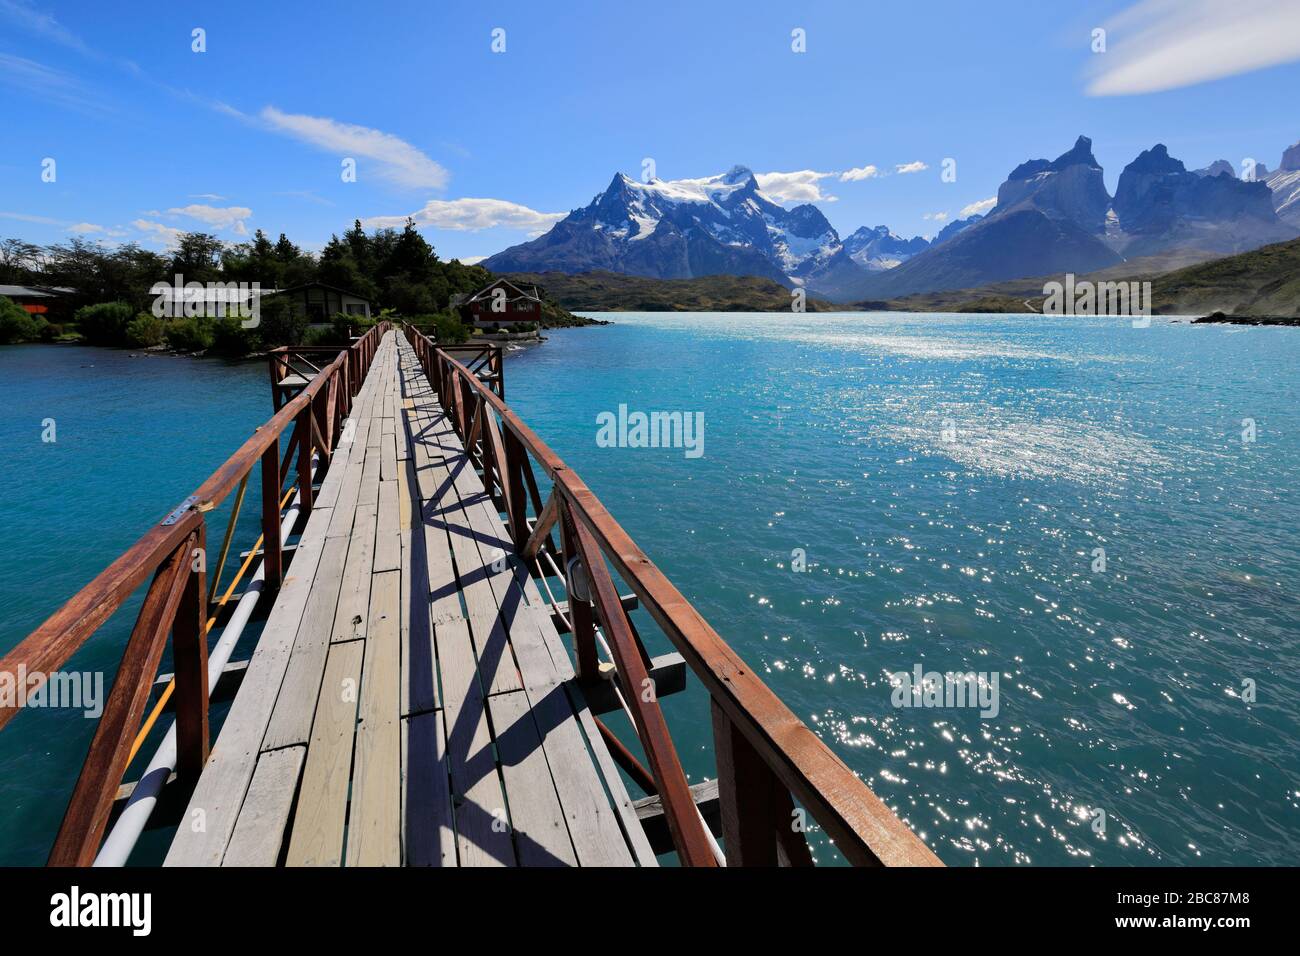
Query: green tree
x=280 y=323
x=17 y=324
x=105 y=323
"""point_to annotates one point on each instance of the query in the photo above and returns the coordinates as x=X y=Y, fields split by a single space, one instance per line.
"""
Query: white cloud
x=395 y=159
x=49 y=84
x=25 y=217
x=1160 y=45
x=800 y=186
x=978 y=208
x=935 y=216
x=471 y=260
x=168 y=234
x=859 y=173
x=85 y=228
x=473 y=215
x=210 y=197
x=41 y=24
x=218 y=217
x=916 y=167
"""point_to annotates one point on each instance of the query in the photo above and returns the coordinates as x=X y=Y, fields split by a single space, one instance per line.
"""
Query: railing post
x=757 y=812
x=516 y=462
x=587 y=666
x=190 y=659
x=304 y=458
x=271 y=557
x=110 y=751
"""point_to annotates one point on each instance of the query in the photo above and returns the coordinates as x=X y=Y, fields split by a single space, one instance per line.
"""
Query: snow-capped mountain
x=1051 y=216
x=678 y=229
x=880 y=248
x=1285 y=185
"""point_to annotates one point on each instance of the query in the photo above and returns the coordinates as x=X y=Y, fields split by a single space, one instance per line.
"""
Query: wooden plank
x=428 y=835
x=220 y=790
x=474 y=570
x=259 y=832
x=650 y=812
x=354 y=593
x=296 y=701
x=388 y=531
x=374 y=821
x=482 y=831
x=419 y=668
x=317 y=838
x=541 y=835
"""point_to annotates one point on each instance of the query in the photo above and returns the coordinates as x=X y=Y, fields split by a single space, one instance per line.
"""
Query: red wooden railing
x=766 y=757
x=176 y=601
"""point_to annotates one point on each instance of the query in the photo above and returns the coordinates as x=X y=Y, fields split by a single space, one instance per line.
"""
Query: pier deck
x=410 y=701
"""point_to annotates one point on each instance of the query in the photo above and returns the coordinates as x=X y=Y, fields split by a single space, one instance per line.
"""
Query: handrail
x=174 y=550
x=765 y=754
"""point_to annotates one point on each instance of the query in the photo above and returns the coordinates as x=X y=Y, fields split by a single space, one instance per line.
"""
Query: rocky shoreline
x=1222 y=318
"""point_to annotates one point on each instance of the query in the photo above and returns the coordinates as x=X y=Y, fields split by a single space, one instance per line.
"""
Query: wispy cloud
x=979 y=208
x=210 y=197
x=935 y=216
x=85 y=228
x=394 y=159
x=1160 y=45
x=168 y=234
x=26 y=217
x=218 y=217
x=915 y=167
x=859 y=173
x=473 y=215
x=48 y=84
x=306 y=195
x=42 y=24
x=800 y=186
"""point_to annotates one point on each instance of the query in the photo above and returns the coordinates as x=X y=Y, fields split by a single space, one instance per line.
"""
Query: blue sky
x=487 y=148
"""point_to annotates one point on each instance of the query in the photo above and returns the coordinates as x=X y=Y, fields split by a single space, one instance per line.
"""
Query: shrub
x=19 y=325
x=325 y=335
x=344 y=327
x=146 y=330
x=444 y=327
x=230 y=338
x=190 y=335
x=281 y=324
x=105 y=323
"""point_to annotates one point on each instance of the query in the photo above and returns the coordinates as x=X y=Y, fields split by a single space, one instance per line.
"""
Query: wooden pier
x=428 y=686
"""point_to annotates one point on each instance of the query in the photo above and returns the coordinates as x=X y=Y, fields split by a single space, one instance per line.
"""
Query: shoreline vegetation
x=1264 y=282
x=397 y=271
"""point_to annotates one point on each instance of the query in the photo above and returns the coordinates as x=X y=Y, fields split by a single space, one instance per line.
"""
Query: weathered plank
x=354 y=593
x=541 y=834
x=482 y=824
x=374 y=820
x=317 y=838
x=259 y=832
x=428 y=835
x=220 y=790
x=295 y=703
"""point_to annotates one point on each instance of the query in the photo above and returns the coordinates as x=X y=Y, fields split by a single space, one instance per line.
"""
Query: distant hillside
x=603 y=291
x=1265 y=281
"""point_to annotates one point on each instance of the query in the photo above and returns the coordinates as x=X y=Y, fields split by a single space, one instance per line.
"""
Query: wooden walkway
x=410 y=701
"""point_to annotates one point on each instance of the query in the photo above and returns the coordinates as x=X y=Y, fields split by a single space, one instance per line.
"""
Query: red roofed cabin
x=501 y=303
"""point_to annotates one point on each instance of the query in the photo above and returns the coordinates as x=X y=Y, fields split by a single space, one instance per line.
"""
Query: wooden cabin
x=502 y=302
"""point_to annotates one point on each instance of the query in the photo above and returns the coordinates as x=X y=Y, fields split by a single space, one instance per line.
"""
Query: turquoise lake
x=948 y=481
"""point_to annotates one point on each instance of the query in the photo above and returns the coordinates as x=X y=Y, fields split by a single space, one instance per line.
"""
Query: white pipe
x=135 y=815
